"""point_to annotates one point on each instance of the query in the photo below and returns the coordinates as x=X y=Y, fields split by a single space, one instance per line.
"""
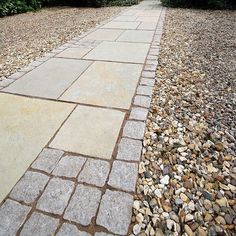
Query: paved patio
x=72 y=125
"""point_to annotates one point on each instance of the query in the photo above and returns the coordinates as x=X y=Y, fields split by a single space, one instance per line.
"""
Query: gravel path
x=187 y=177
x=26 y=36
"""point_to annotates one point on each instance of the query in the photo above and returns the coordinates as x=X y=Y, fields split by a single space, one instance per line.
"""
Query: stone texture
x=139 y=113
x=76 y=53
x=148 y=82
x=144 y=90
x=6 y=82
x=115 y=212
x=134 y=129
x=147 y=26
x=129 y=149
x=40 y=225
x=125 y=18
x=123 y=175
x=104 y=35
x=142 y=101
x=136 y=36
x=121 y=25
x=50 y=79
x=95 y=172
x=96 y=133
x=12 y=216
x=56 y=196
x=149 y=74
x=69 y=166
x=152 y=19
x=103 y=234
x=71 y=230
x=29 y=187
x=48 y=159
x=111 y=90
x=16 y=75
x=26 y=126
x=83 y=205
x=119 y=51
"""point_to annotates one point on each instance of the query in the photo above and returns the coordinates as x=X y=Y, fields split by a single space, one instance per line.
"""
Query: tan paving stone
x=90 y=131
x=76 y=53
x=26 y=125
x=136 y=36
x=119 y=51
x=106 y=84
x=50 y=79
x=147 y=26
x=104 y=34
x=125 y=18
x=147 y=19
x=121 y=25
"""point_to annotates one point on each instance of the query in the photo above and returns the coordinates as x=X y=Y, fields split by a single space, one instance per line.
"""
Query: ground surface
x=24 y=37
x=187 y=180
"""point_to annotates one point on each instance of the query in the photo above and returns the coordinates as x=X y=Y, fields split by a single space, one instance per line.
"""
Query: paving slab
x=147 y=26
x=76 y=53
x=136 y=36
x=105 y=84
x=121 y=25
x=119 y=51
x=147 y=19
x=142 y=101
x=125 y=18
x=104 y=35
x=90 y=131
x=26 y=127
x=71 y=230
x=50 y=79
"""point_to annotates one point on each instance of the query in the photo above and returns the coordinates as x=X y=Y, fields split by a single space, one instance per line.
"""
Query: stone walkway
x=72 y=125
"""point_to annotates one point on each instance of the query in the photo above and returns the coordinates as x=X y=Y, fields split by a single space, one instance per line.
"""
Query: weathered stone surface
x=12 y=216
x=115 y=212
x=138 y=113
x=47 y=159
x=129 y=149
x=103 y=234
x=148 y=82
x=6 y=82
x=76 y=53
x=69 y=166
x=142 y=101
x=95 y=172
x=134 y=129
x=56 y=196
x=148 y=26
x=123 y=175
x=83 y=205
x=144 y=90
x=140 y=36
x=29 y=187
x=104 y=34
x=40 y=225
x=71 y=230
x=121 y=25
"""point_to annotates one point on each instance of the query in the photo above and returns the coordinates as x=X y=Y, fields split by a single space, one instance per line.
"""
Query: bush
x=213 y=4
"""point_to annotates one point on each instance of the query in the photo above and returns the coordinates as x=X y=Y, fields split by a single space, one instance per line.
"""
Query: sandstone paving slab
x=50 y=79
x=12 y=216
x=90 y=131
x=71 y=230
x=123 y=175
x=95 y=172
x=147 y=26
x=121 y=25
x=47 y=160
x=26 y=126
x=76 y=53
x=104 y=35
x=139 y=113
x=125 y=18
x=129 y=149
x=145 y=90
x=115 y=89
x=56 y=196
x=134 y=129
x=136 y=36
x=29 y=187
x=83 y=205
x=40 y=225
x=119 y=51
x=69 y=166
x=142 y=101
x=115 y=211
x=147 y=19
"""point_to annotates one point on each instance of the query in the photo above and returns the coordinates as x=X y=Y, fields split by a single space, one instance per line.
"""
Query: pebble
x=188 y=230
x=165 y=180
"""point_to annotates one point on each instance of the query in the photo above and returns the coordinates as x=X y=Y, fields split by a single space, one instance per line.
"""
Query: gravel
x=25 y=37
x=187 y=176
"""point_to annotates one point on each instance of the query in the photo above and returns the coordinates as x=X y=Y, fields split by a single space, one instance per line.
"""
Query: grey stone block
x=40 y=225
x=56 y=196
x=6 y=82
x=95 y=172
x=103 y=234
x=142 y=101
x=129 y=149
x=138 y=113
x=148 y=74
x=16 y=75
x=148 y=82
x=123 y=175
x=144 y=90
x=150 y=67
x=115 y=212
x=71 y=230
x=69 y=166
x=134 y=129
x=47 y=160
x=29 y=187
x=83 y=205
x=12 y=216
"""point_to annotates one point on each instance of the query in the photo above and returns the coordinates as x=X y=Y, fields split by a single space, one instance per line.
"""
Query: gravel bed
x=25 y=37
x=187 y=176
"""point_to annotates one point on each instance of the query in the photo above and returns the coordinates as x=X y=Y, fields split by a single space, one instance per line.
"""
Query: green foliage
x=212 y=4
